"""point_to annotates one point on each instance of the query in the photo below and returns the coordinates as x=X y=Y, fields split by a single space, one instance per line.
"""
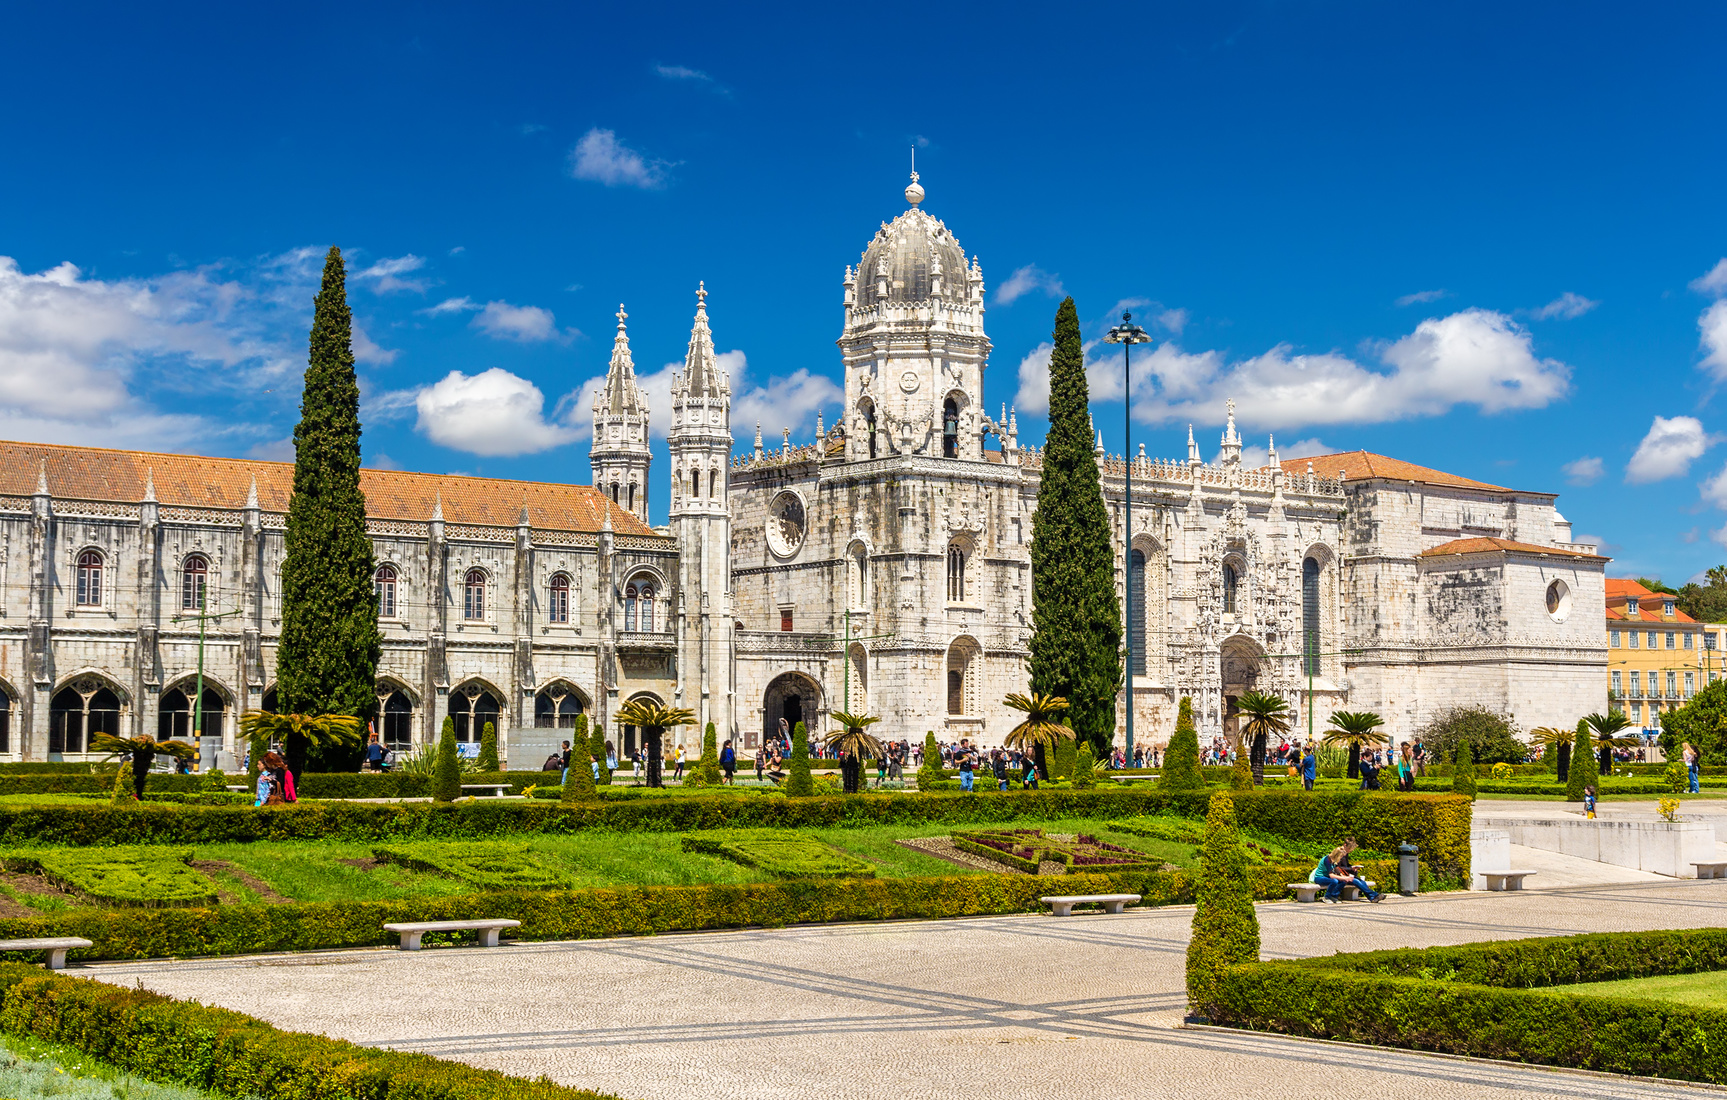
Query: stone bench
x=1505 y=880
x=1311 y=891
x=239 y=788
x=497 y=789
x=488 y=930
x=56 y=948
x=1113 y=903
x=1711 y=870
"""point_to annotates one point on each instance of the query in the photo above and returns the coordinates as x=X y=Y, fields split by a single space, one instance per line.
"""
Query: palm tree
x=1558 y=741
x=1606 y=728
x=1357 y=729
x=1266 y=715
x=299 y=732
x=1041 y=728
x=855 y=740
x=142 y=751
x=653 y=719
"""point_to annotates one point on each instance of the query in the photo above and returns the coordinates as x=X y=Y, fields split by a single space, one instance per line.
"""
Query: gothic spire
x=621 y=394
x=702 y=374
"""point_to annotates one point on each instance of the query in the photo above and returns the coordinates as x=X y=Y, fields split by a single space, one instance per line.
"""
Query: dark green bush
x=228 y=1053
x=798 y=782
x=1225 y=927
x=488 y=758
x=1492 y=736
x=1463 y=771
x=447 y=772
x=1493 y=1000
x=1584 y=771
x=1181 y=758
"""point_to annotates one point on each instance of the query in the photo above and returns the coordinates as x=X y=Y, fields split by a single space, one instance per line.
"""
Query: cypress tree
x=447 y=772
x=1076 y=618
x=799 y=783
x=597 y=746
x=1581 y=758
x=327 y=662
x=1181 y=758
x=1463 y=771
x=576 y=789
x=1225 y=928
x=929 y=773
x=488 y=759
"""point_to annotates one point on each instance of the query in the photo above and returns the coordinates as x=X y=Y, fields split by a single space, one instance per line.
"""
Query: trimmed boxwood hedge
x=779 y=852
x=1496 y=1000
x=232 y=1054
x=1439 y=824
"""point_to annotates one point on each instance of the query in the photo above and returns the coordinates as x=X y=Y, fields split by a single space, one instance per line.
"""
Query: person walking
x=728 y=762
x=1309 y=770
x=678 y=761
x=1692 y=758
x=761 y=760
x=965 y=773
x=374 y=754
x=998 y=766
x=1406 y=768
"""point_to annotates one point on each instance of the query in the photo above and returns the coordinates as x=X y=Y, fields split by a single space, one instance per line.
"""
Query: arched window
x=558 y=599
x=471 y=708
x=962 y=677
x=384 y=584
x=557 y=708
x=474 y=595
x=398 y=725
x=695 y=483
x=949 y=429
x=857 y=579
x=1136 y=600
x=713 y=484
x=194 y=583
x=639 y=605
x=90 y=579
x=1229 y=583
x=1310 y=617
x=955 y=574
x=5 y=722
x=632 y=504
x=869 y=426
x=174 y=719
x=74 y=717
x=614 y=492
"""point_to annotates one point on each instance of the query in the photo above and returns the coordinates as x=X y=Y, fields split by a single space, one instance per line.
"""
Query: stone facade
x=885 y=567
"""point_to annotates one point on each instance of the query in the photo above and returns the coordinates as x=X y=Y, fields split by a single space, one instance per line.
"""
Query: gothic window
x=955 y=691
x=74 y=718
x=714 y=484
x=1229 y=582
x=639 y=605
x=471 y=708
x=558 y=599
x=194 y=583
x=474 y=595
x=90 y=579
x=1310 y=616
x=632 y=504
x=614 y=492
x=1136 y=600
x=398 y=715
x=857 y=589
x=695 y=483
x=869 y=426
x=5 y=722
x=949 y=429
x=955 y=573
x=557 y=708
x=174 y=719
x=384 y=584
x=857 y=679
x=962 y=660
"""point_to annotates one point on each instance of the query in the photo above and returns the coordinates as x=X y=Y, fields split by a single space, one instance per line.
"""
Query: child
x=1589 y=803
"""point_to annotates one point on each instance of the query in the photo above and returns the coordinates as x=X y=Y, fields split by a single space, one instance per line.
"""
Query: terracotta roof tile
x=1490 y=545
x=190 y=481
x=1359 y=465
x=1622 y=587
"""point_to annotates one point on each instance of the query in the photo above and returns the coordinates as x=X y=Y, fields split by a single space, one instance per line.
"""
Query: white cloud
x=1713 y=326
x=525 y=324
x=388 y=274
x=685 y=73
x=1173 y=319
x=1714 y=489
x=365 y=351
x=1025 y=280
x=1565 y=307
x=493 y=413
x=1421 y=296
x=1667 y=450
x=450 y=305
x=602 y=158
x=789 y=402
x=1713 y=281
x=273 y=450
x=1584 y=471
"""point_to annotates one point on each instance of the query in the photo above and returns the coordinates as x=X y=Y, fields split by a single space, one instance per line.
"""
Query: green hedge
x=311 y=785
x=490 y=866
x=1606 y=786
x=231 y=1054
x=778 y=852
x=1492 y=1000
x=140 y=877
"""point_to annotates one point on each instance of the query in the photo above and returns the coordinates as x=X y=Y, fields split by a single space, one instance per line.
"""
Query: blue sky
x=1479 y=237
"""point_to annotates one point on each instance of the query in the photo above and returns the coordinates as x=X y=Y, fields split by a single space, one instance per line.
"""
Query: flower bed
x=788 y=855
x=1028 y=849
x=143 y=877
x=491 y=866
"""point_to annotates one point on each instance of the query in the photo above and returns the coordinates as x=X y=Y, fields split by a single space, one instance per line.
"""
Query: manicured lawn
x=31 y=1068
x=1707 y=989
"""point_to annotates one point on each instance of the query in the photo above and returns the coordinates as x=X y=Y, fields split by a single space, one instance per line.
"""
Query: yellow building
x=1658 y=657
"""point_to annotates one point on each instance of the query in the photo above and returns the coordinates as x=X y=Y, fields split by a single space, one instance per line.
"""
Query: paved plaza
x=1019 y=1006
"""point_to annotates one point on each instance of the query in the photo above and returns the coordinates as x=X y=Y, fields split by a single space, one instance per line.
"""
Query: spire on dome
x=1231 y=437
x=702 y=374
x=914 y=192
x=621 y=394
x=1192 y=447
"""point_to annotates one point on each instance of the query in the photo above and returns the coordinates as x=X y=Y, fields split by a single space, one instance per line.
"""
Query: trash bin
x=1408 y=869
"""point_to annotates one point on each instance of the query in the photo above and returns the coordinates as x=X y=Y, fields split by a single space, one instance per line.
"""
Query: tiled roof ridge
x=1371 y=464
x=1484 y=543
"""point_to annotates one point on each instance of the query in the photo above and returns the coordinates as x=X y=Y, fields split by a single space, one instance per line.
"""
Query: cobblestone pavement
x=1021 y=1006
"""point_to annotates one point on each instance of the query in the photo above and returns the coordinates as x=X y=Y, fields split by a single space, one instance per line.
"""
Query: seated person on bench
x=1335 y=872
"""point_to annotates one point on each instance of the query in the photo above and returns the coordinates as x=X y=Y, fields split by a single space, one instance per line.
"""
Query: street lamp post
x=1128 y=334
x=203 y=616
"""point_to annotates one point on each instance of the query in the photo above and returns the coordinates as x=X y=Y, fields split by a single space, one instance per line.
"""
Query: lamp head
x=1127 y=332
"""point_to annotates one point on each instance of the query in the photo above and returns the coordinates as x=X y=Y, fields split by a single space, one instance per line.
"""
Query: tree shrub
x=1702 y=721
x=579 y=777
x=1084 y=775
x=123 y=794
x=798 y=782
x=1492 y=737
x=597 y=746
x=1181 y=758
x=1225 y=928
x=447 y=779
x=929 y=773
x=1676 y=778
x=1241 y=773
x=1583 y=767
x=488 y=759
x=1064 y=758
x=1463 y=773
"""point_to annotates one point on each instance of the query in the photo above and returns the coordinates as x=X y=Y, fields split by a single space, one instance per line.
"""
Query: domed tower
x=913 y=343
x=619 y=454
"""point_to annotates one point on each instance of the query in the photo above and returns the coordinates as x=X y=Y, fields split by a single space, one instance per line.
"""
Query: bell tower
x=619 y=453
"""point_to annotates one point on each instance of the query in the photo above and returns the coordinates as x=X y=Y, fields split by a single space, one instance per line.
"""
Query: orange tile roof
x=1622 y=587
x=1489 y=545
x=1358 y=465
x=1615 y=613
x=190 y=481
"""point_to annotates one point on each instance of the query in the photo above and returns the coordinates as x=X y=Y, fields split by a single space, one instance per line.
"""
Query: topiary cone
x=1581 y=764
x=1084 y=779
x=1225 y=928
x=798 y=782
x=488 y=760
x=447 y=774
x=597 y=746
x=929 y=773
x=1463 y=771
x=1181 y=759
x=579 y=781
